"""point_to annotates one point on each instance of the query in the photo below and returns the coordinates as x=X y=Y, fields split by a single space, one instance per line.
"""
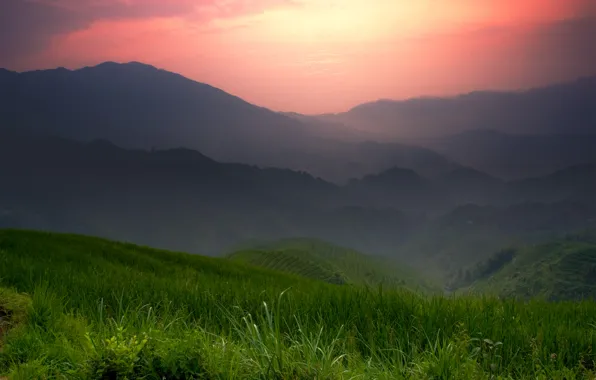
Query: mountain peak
x=111 y=65
x=123 y=64
x=136 y=105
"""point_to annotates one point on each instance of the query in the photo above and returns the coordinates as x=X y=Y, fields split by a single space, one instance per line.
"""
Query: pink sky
x=316 y=56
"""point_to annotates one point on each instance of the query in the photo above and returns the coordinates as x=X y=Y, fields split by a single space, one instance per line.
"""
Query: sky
x=313 y=56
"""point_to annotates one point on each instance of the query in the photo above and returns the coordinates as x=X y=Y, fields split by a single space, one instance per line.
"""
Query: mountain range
x=564 y=108
x=135 y=153
x=133 y=105
x=515 y=156
x=136 y=106
x=181 y=199
x=510 y=135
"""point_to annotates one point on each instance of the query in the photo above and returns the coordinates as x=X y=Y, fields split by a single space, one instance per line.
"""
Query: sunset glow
x=317 y=56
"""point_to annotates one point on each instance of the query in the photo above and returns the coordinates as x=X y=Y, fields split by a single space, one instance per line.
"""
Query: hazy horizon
x=314 y=57
x=369 y=101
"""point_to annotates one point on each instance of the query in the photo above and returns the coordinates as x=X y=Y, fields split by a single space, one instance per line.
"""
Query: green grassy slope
x=564 y=269
x=324 y=261
x=87 y=308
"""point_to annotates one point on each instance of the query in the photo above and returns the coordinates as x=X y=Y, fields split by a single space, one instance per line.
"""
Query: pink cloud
x=159 y=8
x=122 y=40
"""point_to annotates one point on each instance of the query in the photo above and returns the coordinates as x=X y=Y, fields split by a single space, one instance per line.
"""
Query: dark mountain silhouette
x=139 y=106
x=572 y=183
x=405 y=189
x=59 y=160
x=399 y=188
x=376 y=157
x=177 y=198
x=522 y=217
x=515 y=156
x=332 y=130
x=181 y=199
x=467 y=185
x=566 y=108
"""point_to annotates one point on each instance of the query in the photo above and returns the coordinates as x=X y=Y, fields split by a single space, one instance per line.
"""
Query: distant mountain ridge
x=400 y=188
x=577 y=182
x=563 y=108
x=182 y=199
x=139 y=106
x=572 y=183
x=511 y=135
x=134 y=104
x=131 y=152
x=515 y=156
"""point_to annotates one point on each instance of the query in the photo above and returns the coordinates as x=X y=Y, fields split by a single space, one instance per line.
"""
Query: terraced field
x=299 y=262
x=320 y=260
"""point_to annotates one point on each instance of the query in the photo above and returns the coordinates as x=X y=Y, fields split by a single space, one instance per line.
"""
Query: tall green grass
x=100 y=309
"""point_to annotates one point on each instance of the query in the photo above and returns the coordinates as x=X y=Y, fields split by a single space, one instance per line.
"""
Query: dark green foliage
x=560 y=270
x=483 y=269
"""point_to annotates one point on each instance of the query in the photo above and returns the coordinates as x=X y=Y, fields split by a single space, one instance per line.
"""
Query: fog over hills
x=139 y=106
x=180 y=199
x=515 y=156
x=507 y=134
x=565 y=108
x=131 y=152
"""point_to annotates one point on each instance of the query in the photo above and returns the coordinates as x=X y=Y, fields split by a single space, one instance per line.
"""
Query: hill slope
x=88 y=308
x=559 y=270
x=327 y=262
